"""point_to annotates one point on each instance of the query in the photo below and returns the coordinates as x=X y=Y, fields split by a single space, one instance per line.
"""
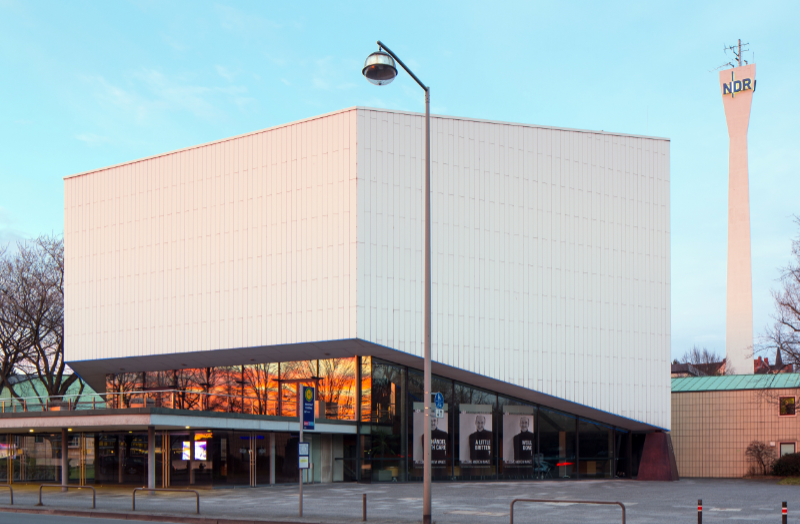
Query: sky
x=85 y=85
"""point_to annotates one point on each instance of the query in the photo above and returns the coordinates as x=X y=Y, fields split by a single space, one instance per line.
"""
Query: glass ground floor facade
x=182 y=458
x=483 y=435
x=479 y=434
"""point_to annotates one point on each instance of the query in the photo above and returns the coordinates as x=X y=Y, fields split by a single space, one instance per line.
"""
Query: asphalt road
x=756 y=501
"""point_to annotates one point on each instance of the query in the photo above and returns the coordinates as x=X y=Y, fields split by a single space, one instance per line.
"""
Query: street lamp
x=379 y=69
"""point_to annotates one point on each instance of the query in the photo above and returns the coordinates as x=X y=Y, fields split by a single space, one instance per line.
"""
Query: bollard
x=784 y=514
x=699 y=511
x=364 y=518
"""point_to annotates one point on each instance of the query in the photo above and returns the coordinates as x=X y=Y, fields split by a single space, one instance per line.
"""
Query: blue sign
x=308 y=408
x=438 y=400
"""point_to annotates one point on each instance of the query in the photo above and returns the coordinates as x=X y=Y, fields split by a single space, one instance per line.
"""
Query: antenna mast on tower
x=736 y=50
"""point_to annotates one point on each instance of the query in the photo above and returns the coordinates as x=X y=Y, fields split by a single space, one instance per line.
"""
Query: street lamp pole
x=380 y=70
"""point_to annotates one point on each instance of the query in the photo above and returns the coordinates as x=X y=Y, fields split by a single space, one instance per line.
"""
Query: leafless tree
x=32 y=291
x=762 y=454
x=707 y=361
x=260 y=382
x=122 y=385
x=10 y=332
x=339 y=378
x=784 y=334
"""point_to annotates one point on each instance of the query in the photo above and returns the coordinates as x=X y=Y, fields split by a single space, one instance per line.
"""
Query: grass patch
x=790 y=481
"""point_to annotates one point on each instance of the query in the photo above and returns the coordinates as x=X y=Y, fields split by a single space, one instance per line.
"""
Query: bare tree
x=708 y=362
x=261 y=384
x=339 y=379
x=762 y=454
x=784 y=334
x=32 y=291
x=10 y=332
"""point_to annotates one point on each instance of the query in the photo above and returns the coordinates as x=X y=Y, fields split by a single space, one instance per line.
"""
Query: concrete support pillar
x=64 y=458
x=151 y=457
x=272 y=458
x=120 y=457
x=326 y=458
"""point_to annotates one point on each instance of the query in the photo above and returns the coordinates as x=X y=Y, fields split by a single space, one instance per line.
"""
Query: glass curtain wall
x=480 y=434
x=595 y=449
x=387 y=434
x=557 y=432
x=255 y=389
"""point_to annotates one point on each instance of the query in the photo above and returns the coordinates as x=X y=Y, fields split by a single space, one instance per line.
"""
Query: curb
x=141 y=516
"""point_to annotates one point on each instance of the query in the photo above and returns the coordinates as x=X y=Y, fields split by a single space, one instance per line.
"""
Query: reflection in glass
x=338 y=387
x=261 y=388
x=301 y=369
x=366 y=389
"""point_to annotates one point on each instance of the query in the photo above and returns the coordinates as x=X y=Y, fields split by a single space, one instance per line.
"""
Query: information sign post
x=306 y=420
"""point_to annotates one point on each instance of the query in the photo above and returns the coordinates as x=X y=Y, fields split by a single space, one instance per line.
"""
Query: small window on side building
x=787 y=406
x=787 y=448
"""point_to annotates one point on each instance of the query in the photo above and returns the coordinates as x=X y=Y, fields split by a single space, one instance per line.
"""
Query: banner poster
x=439 y=438
x=476 y=441
x=518 y=439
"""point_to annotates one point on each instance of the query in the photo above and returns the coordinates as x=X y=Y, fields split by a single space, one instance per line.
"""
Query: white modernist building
x=551 y=260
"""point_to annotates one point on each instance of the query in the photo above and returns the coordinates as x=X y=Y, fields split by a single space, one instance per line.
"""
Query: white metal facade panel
x=249 y=241
x=550 y=255
x=550 y=251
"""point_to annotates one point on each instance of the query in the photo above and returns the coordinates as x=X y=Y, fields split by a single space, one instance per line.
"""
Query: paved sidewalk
x=457 y=502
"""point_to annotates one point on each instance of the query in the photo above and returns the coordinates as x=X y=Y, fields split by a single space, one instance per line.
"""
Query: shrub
x=762 y=454
x=787 y=466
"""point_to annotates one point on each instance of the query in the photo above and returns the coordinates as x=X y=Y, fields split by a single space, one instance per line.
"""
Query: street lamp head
x=379 y=68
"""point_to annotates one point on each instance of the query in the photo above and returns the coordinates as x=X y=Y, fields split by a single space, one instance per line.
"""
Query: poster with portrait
x=476 y=441
x=519 y=439
x=439 y=438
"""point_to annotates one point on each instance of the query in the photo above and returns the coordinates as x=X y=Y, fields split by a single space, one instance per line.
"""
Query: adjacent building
x=204 y=285
x=714 y=419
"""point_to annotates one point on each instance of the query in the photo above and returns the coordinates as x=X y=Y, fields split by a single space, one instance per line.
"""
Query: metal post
x=364 y=508
x=426 y=494
x=191 y=457
x=300 y=423
x=151 y=457
x=739 y=56
x=699 y=511
x=784 y=514
x=64 y=459
x=426 y=490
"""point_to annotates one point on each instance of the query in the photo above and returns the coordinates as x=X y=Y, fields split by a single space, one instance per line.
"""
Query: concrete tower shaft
x=737 y=86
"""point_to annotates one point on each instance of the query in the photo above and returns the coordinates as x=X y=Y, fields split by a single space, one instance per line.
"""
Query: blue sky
x=89 y=84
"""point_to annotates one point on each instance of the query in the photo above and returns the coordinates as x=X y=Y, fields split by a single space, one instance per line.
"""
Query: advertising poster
x=439 y=438
x=518 y=439
x=199 y=450
x=476 y=441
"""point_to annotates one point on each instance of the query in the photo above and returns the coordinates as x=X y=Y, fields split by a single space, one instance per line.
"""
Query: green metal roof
x=735 y=382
